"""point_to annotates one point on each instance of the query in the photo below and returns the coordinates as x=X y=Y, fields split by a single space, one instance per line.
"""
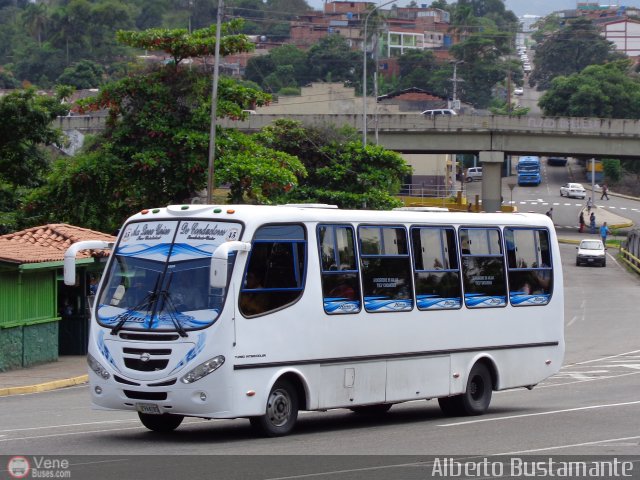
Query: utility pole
x=364 y=72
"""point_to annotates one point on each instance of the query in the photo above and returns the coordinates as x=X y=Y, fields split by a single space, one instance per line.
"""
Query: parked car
x=573 y=190
x=473 y=173
x=591 y=252
x=518 y=91
x=440 y=112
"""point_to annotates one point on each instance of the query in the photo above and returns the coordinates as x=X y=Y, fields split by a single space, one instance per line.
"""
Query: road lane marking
x=559 y=447
x=550 y=412
x=67 y=425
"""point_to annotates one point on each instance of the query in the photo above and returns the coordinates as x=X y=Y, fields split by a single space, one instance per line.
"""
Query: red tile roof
x=48 y=243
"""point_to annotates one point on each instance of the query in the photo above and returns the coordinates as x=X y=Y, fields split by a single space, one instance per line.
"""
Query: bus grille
x=148 y=366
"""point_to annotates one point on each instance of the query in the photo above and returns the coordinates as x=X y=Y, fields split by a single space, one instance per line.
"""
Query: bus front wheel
x=161 y=423
x=281 y=412
x=476 y=398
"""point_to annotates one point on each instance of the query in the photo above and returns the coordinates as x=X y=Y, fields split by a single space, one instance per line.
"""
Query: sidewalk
x=67 y=371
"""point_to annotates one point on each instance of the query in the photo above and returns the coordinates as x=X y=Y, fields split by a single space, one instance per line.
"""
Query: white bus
x=261 y=311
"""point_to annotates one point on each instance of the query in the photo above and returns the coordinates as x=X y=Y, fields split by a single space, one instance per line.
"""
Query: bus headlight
x=203 y=369
x=96 y=367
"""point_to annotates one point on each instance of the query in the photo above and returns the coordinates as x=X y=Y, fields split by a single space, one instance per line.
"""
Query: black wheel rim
x=279 y=408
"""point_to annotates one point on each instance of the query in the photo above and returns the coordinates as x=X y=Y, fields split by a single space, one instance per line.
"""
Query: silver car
x=575 y=190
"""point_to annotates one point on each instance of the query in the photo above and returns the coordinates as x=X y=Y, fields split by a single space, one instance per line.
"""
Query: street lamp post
x=364 y=73
x=455 y=81
x=214 y=107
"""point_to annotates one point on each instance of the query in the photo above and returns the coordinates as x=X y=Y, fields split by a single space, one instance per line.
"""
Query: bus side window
x=339 y=271
x=386 y=269
x=437 y=276
x=530 y=271
x=483 y=269
x=276 y=269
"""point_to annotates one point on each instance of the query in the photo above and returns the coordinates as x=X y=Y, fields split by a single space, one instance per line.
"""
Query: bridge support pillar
x=491 y=180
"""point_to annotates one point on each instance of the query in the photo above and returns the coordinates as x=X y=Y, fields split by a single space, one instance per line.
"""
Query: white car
x=591 y=252
x=573 y=190
x=518 y=91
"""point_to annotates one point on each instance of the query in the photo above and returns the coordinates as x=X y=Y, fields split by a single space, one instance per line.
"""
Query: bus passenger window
x=386 y=269
x=437 y=277
x=530 y=272
x=483 y=269
x=276 y=268
x=340 y=279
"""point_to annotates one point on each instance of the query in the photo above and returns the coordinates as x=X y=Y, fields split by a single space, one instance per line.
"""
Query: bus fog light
x=203 y=396
x=98 y=390
x=203 y=369
x=97 y=367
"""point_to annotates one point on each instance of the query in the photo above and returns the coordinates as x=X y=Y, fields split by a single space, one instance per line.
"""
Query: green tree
x=35 y=18
x=482 y=69
x=25 y=128
x=155 y=148
x=332 y=60
x=340 y=170
x=83 y=74
x=569 y=50
x=605 y=91
x=612 y=169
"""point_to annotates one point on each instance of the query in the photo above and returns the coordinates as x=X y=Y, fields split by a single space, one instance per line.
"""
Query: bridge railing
x=630 y=259
x=429 y=191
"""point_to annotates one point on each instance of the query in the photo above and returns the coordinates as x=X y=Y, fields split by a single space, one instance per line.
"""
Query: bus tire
x=164 y=423
x=477 y=397
x=379 y=409
x=281 y=412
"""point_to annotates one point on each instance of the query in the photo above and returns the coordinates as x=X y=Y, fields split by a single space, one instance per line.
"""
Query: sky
x=519 y=7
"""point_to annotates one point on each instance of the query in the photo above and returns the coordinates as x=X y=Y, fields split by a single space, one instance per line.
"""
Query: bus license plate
x=148 y=408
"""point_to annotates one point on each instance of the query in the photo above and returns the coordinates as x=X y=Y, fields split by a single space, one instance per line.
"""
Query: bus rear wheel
x=161 y=423
x=476 y=398
x=281 y=412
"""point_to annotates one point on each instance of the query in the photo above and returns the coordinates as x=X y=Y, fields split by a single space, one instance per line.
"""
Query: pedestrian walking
x=592 y=222
x=589 y=205
x=550 y=213
x=581 y=221
x=605 y=192
x=604 y=231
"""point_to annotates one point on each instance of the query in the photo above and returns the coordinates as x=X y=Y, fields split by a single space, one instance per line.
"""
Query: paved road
x=547 y=195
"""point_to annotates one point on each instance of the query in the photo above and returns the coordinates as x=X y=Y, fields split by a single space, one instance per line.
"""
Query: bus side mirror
x=218 y=272
x=70 y=257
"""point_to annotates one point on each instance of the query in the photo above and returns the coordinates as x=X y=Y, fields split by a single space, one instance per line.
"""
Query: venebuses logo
x=18 y=467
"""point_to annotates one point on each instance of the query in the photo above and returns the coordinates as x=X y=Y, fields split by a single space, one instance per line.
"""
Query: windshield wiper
x=172 y=310
x=146 y=303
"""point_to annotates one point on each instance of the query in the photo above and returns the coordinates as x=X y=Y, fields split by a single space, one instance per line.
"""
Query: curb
x=44 y=387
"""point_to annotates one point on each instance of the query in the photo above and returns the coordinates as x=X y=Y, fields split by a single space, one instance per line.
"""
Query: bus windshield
x=159 y=277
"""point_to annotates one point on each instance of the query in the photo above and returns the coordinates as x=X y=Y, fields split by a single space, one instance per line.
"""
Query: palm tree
x=35 y=18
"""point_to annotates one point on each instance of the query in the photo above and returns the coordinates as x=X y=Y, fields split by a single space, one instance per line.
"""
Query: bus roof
x=283 y=213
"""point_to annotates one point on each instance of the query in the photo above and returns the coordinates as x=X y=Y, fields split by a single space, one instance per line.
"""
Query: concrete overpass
x=489 y=137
